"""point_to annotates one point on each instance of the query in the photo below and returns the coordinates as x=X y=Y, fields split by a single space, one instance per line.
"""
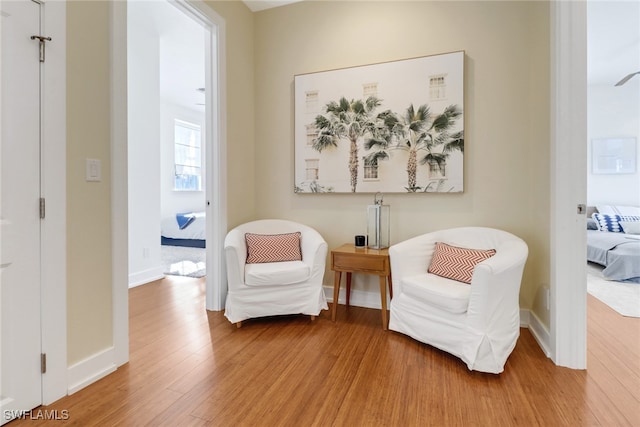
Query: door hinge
x=42 y=208
x=43 y=363
x=41 y=40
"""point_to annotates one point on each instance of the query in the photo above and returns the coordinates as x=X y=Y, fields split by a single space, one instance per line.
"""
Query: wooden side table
x=347 y=258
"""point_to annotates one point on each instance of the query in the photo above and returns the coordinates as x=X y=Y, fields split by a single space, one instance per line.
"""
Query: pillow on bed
x=273 y=247
x=630 y=227
x=611 y=223
x=184 y=219
x=592 y=224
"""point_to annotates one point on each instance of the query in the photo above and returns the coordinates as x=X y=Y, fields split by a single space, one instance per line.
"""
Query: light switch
x=93 y=172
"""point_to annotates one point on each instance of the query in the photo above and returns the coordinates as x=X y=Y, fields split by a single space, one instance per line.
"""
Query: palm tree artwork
x=417 y=130
x=388 y=127
x=347 y=120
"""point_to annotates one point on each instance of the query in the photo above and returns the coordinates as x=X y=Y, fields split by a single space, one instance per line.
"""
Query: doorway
x=166 y=132
x=613 y=112
x=215 y=161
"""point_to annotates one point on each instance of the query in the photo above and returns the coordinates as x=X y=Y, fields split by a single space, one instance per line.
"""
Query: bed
x=613 y=241
x=184 y=229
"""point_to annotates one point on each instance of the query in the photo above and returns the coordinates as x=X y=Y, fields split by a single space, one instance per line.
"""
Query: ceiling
x=258 y=5
x=181 y=48
x=182 y=61
x=613 y=41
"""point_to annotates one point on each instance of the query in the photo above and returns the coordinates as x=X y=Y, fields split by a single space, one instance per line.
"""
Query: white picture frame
x=616 y=155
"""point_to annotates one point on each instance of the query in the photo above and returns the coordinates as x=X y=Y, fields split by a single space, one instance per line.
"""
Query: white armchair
x=274 y=288
x=477 y=322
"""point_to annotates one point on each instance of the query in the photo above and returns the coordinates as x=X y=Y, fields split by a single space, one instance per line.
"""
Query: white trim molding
x=54 y=189
x=145 y=276
x=216 y=150
x=91 y=369
x=537 y=329
x=119 y=190
x=358 y=298
x=568 y=321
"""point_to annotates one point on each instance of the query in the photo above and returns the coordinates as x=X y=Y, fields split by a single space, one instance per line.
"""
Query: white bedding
x=614 y=243
x=195 y=230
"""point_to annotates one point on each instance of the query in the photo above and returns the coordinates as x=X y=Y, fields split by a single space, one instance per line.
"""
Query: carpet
x=183 y=261
x=623 y=297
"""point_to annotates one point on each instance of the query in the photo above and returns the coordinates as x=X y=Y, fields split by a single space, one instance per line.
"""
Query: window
x=370 y=168
x=370 y=89
x=312 y=169
x=188 y=157
x=437 y=87
x=437 y=170
x=312 y=133
x=311 y=101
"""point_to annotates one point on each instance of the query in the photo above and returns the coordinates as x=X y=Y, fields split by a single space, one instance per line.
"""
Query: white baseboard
x=524 y=318
x=371 y=299
x=145 y=276
x=359 y=298
x=540 y=333
x=90 y=370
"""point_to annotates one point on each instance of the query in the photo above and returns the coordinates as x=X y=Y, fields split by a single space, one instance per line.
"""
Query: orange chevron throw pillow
x=273 y=247
x=457 y=263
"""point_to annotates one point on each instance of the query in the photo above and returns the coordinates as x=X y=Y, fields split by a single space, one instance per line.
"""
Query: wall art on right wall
x=613 y=155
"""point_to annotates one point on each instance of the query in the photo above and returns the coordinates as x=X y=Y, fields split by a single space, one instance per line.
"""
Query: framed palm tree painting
x=390 y=127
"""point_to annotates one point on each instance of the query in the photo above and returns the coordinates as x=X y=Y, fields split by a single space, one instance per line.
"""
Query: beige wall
x=89 y=308
x=506 y=114
x=507 y=129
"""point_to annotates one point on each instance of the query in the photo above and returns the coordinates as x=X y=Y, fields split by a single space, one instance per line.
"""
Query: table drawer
x=351 y=262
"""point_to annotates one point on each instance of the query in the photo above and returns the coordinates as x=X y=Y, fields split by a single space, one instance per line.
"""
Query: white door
x=20 y=376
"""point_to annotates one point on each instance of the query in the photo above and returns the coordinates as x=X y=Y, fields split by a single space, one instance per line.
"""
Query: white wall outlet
x=93 y=170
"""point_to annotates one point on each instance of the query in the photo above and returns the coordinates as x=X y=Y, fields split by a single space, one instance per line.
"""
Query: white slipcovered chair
x=477 y=322
x=274 y=288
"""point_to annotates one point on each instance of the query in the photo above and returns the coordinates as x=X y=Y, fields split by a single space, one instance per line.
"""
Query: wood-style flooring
x=190 y=367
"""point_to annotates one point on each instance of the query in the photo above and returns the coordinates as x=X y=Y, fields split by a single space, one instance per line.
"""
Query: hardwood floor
x=191 y=367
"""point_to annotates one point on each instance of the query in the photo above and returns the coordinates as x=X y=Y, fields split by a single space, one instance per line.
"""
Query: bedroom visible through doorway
x=167 y=134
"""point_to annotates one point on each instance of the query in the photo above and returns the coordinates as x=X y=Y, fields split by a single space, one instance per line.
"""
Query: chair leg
x=239 y=324
x=313 y=318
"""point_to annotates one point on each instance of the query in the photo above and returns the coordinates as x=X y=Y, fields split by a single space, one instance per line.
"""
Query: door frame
x=216 y=167
x=568 y=156
x=215 y=153
x=53 y=281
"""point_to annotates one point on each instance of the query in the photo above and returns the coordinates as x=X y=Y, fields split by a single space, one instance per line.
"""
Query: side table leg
x=383 y=300
x=336 y=292
x=348 y=288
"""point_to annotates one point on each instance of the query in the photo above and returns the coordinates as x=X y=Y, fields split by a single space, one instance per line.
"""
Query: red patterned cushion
x=273 y=247
x=457 y=263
